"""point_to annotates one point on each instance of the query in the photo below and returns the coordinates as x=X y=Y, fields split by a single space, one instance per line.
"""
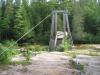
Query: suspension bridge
x=55 y=35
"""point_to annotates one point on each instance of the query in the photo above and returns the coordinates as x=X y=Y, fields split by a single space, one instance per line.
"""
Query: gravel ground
x=54 y=63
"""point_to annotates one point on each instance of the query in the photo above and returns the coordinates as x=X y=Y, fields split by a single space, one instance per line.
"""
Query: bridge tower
x=59 y=35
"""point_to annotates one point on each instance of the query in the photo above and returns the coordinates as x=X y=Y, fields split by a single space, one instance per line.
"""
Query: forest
x=29 y=43
x=19 y=16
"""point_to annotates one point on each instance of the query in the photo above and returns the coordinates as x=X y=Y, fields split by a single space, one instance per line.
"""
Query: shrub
x=35 y=48
x=28 y=54
x=64 y=46
x=97 y=39
x=6 y=52
x=89 y=38
x=92 y=38
x=44 y=39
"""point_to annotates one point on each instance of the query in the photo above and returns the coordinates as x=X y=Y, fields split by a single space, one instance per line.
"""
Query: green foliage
x=97 y=38
x=65 y=46
x=24 y=63
x=92 y=22
x=89 y=38
x=22 y=25
x=17 y=18
x=77 y=66
x=92 y=19
x=7 y=15
x=7 y=52
x=28 y=54
x=73 y=53
x=35 y=48
x=77 y=21
x=44 y=39
x=86 y=21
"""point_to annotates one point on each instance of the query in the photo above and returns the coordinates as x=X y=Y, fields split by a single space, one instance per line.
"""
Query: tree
x=2 y=27
x=92 y=21
x=7 y=16
x=22 y=25
x=78 y=20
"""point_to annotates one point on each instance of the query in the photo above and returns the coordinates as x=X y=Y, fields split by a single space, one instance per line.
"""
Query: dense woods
x=18 y=16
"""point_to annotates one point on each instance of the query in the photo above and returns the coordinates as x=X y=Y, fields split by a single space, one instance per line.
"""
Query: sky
x=77 y=0
x=48 y=0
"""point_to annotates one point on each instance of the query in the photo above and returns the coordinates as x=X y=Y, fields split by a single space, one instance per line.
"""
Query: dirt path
x=53 y=63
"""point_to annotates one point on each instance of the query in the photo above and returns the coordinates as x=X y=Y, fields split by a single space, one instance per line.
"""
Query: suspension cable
x=25 y=34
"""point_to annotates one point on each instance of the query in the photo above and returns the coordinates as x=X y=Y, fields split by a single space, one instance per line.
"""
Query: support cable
x=25 y=34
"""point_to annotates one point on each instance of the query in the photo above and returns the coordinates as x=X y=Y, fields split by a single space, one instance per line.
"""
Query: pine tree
x=22 y=24
x=7 y=17
x=78 y=20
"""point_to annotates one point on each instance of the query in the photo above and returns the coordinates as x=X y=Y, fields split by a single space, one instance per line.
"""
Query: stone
x=82 y=59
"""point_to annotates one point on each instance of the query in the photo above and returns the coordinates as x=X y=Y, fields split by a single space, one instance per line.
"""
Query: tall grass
x=7 y=53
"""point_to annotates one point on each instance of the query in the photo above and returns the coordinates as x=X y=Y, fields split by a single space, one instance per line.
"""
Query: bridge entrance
x=57 y=36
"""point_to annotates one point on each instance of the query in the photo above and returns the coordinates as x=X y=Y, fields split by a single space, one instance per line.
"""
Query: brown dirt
x=54 y=63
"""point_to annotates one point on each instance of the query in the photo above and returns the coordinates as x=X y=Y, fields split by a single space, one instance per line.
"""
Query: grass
x=25 y=62
x=73 y=53
x=79 y=67
x=7 y=53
